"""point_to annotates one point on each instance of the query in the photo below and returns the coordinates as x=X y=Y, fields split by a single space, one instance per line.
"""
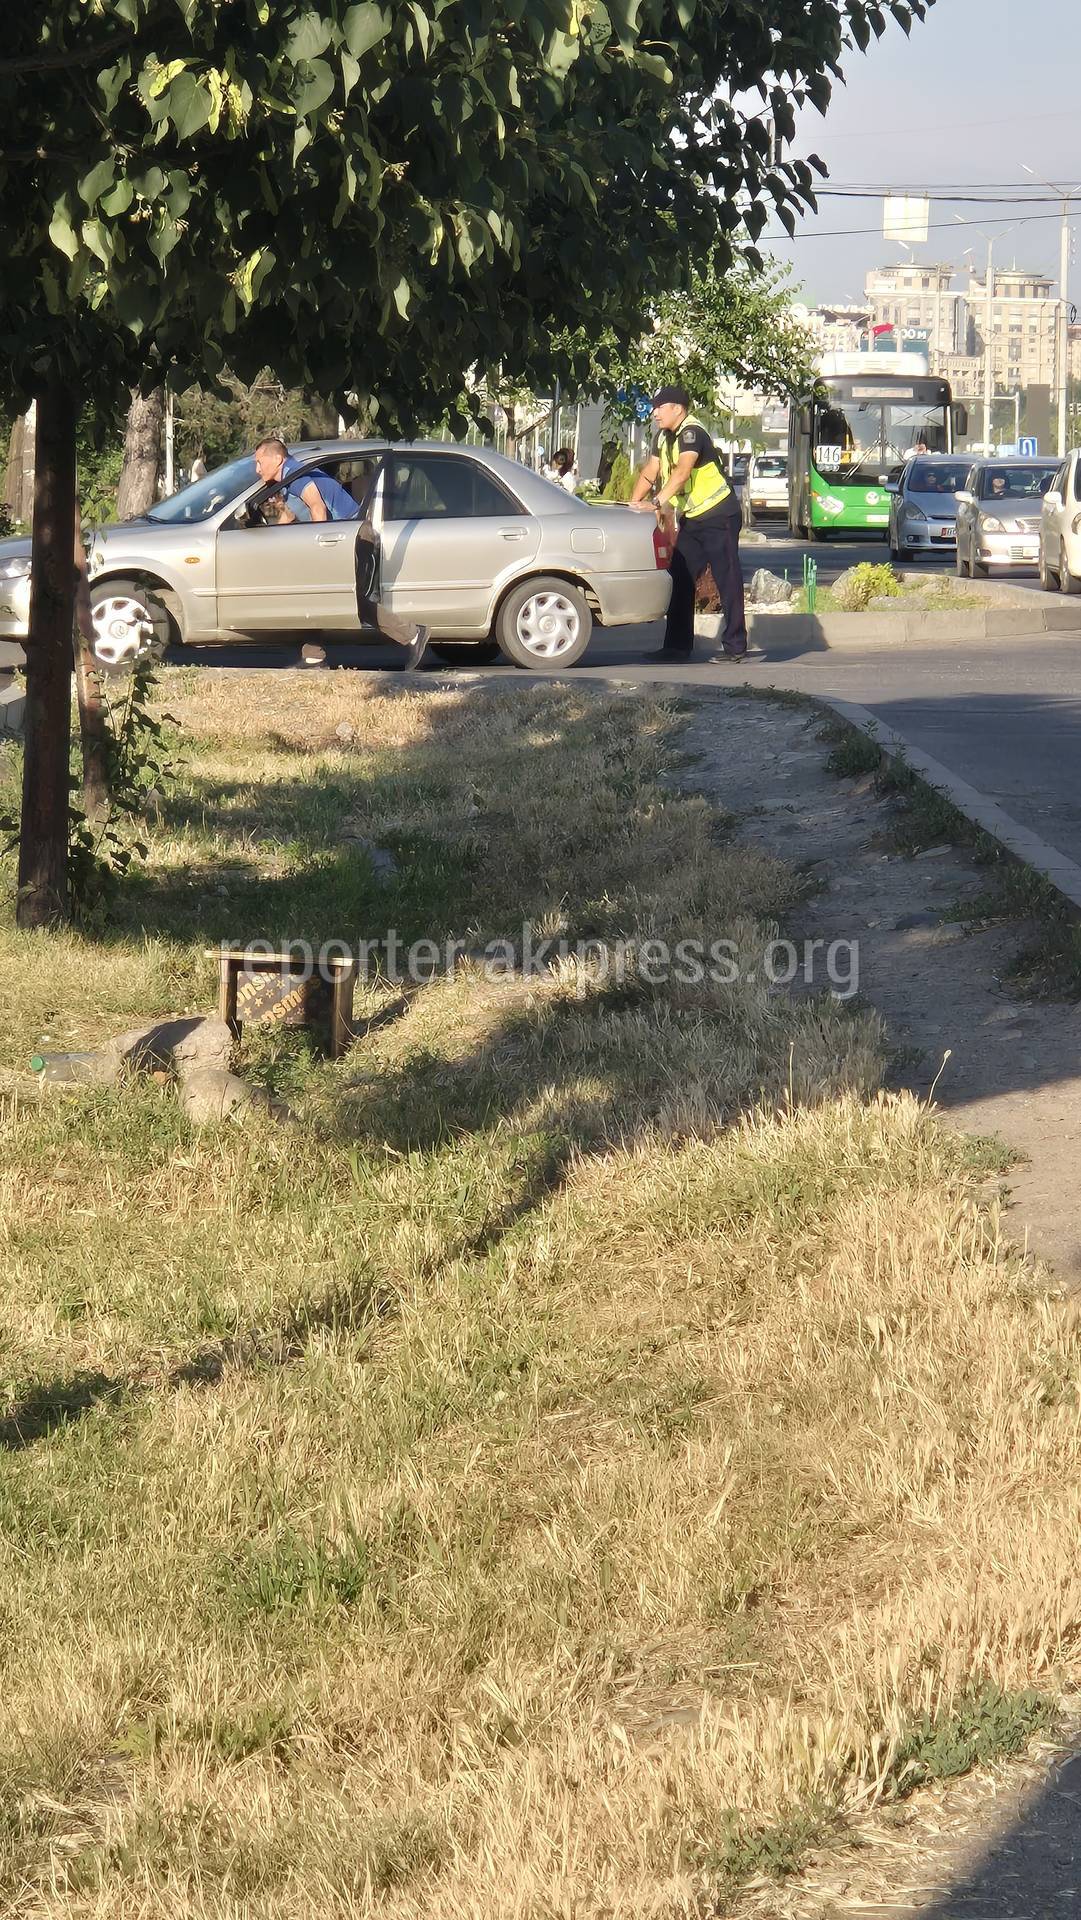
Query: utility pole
x=1064 y=330
x=1062 y=368
x=988 y=328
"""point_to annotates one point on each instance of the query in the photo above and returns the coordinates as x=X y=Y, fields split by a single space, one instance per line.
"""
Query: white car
x=766 y=485
x=1060 y=528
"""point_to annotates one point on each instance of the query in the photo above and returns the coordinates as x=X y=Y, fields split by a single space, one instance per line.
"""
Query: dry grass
x=556 y=1477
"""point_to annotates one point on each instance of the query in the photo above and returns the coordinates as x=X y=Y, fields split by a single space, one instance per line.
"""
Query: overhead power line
x=836 y=233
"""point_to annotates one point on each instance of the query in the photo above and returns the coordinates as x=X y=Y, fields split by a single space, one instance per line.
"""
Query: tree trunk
x=138 y=487
x=43 y=842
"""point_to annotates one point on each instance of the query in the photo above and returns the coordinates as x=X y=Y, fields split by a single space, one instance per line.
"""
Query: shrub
x=854 y=590
x=620 y=479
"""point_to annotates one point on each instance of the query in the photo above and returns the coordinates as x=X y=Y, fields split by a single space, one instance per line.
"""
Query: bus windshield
x=868 y=440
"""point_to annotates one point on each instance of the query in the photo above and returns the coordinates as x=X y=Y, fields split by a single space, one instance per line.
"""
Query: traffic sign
x=1028 y=445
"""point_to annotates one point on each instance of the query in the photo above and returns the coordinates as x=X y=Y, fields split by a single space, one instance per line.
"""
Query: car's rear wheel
x=959 y=561
x=544 y=624
x=131 y=626
x=466 y=653
x=1069 y=582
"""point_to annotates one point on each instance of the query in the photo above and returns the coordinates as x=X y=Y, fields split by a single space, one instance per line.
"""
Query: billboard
x=905 y=217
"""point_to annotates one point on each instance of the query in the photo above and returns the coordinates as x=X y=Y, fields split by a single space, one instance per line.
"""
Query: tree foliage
x=374 y=196
x=734 y=326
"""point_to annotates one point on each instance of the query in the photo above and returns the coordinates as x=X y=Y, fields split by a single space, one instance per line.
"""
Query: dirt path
x=1003 y=1843
x=1013 y=1066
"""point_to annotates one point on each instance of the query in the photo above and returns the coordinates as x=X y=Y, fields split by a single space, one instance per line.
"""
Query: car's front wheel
x=1047 y=579
x=131 y=626
x=1069 y=582
x=545 y=624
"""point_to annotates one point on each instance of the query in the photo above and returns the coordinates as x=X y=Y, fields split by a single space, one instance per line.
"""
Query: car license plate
x=1019 y=553
x=946 y=533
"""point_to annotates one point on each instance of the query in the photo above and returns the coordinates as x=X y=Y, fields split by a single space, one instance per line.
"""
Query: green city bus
x=851 y=436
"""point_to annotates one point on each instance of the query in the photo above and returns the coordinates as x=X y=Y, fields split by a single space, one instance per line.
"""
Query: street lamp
x=1062 y=370
x=989 y=320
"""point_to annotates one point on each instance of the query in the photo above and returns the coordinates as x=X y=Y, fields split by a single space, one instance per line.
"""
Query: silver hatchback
x=923 y=504
x=474 y=545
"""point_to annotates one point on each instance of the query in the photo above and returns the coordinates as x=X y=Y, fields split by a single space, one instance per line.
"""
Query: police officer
x=683 y=472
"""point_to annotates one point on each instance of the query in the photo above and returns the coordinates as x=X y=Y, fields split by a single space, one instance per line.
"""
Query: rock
x=768 y=589
x=910 y=921
x=194 y=1041
x=847 y=590
x=345 y=733
x=208 y=1094
x=933 y=853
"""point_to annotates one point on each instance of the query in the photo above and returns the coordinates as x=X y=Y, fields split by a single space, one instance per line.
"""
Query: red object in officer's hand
x=662 y=545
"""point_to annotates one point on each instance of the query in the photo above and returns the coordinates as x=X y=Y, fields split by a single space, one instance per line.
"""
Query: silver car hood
x=18 y=547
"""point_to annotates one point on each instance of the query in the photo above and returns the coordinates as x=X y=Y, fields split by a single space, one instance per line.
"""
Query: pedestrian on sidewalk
x=684 y=473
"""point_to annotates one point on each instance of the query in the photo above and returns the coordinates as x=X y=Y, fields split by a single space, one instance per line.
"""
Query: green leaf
x=162 y=77
x=350 y=72
x=316 y=89
x=189 y=105
x=403 y=294
x=364 y=27
x=62 y=233
x=119 y=200
x=93 y=184
x=310 y=36
x=163 y=237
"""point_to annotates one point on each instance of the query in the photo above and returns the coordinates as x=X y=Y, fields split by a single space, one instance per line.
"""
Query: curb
x=856 y=629
x=1060 y=872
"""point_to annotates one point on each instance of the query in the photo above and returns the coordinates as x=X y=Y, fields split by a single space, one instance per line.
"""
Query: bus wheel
x=815 y=533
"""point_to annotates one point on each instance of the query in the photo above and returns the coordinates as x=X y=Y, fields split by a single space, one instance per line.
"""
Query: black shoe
x=673 y=655
x=416 y=650
x=750 y=655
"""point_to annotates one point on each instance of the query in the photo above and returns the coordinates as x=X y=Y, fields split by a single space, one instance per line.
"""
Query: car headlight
x=915 y=513
x=15 y=569
x=990 y=525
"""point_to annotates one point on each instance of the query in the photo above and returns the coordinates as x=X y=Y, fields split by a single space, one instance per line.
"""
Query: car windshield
x=1016 y=483
x=205 y=496
x=771 y=466
x=926 y=476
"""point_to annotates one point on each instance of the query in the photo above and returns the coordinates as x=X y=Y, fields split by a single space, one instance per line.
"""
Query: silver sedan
x=998 y=514
x=486 y=553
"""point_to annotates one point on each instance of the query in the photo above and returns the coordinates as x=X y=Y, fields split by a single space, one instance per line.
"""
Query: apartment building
x=835 y=328
x=1025 y=318
x=920 y=301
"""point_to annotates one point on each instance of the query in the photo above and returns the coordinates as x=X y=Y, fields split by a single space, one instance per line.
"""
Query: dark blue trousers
x=712 y=541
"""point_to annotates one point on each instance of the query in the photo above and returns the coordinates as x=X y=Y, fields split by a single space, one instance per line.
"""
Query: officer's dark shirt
x=695 y=439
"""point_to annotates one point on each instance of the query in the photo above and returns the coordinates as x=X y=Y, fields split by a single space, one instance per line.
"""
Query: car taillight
x=662 y=547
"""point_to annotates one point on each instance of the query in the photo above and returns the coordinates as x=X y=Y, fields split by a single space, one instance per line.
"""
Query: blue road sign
x=1028 y=445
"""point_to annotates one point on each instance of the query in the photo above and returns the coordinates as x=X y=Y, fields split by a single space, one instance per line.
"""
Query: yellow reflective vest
x=706 y=487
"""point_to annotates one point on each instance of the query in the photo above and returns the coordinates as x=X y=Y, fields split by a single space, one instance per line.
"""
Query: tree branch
x=79 y=57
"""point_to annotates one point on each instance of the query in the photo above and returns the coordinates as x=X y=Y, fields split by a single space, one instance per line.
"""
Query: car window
x=771 y=466
x=932 y=476
x=433 y=486
x=352 y=471
x=1076 y=481
x=1015 y=483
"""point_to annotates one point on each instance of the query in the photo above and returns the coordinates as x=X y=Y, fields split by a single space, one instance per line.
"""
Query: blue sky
x=978 y=88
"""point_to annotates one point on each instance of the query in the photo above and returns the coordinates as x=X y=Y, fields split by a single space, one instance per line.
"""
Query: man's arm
x=677 y=479
x=643 y=486
x=314 y=501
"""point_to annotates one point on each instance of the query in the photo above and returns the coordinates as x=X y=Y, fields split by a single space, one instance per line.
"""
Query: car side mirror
x=966 y=496
x=960 y=420
x=1052 y=499
x=893 y=486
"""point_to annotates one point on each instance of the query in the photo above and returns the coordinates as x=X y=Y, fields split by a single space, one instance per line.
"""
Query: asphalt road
x=1003 y=714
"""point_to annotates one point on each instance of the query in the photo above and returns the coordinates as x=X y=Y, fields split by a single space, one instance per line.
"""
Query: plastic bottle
x=86 y=1069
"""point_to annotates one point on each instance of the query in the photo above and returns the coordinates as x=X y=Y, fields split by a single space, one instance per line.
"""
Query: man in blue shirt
x=323 y=497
